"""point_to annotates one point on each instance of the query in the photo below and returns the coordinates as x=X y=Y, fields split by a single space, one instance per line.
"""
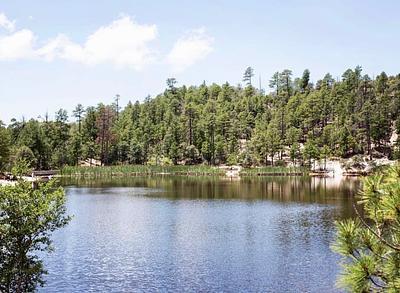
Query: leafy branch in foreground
x=28 y=217
x=370 y=244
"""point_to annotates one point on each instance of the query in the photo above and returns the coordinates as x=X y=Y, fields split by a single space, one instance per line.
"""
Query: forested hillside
x=221 y=124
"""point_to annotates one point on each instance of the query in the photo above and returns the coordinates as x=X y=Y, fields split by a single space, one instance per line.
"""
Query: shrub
x=27 y=218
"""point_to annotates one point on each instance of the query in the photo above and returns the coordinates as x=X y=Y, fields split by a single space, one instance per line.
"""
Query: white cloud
x=61 y=47
x=6 y=23
x=17 y=45
x=122 y=43
x=190 y=49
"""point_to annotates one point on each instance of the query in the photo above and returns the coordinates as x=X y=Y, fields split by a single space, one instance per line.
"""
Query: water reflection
x=281 y=189
x=175 y=234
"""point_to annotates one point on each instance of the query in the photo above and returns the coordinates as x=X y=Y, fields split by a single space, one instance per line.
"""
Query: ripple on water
x=122 y=241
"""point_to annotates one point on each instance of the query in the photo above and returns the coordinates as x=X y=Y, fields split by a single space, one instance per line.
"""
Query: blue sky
x=56 y=54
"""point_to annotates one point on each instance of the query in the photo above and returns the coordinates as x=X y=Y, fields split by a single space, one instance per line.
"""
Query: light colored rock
x=90 y=162
x=7 y=182
x=231 y=171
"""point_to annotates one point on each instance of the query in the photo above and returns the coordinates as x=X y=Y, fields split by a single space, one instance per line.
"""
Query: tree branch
x=384 y=241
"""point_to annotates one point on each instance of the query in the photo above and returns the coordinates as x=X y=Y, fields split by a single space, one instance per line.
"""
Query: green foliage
x=370 y=245
x=20 y=168
x=273 y=141
x=27 y=219
x=25 y=155
x=218 y=124
x=248 y=74
x=310 y=152
x=305 y=80
x=5 y=141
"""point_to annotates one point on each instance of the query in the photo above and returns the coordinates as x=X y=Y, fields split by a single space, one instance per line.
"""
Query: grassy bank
x=274 y=171
x=197 y=170
x=137 y=170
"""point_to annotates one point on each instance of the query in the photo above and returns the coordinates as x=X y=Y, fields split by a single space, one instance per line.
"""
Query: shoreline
x=334 y=168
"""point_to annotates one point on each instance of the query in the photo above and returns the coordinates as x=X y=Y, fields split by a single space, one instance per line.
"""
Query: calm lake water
x=180 y=234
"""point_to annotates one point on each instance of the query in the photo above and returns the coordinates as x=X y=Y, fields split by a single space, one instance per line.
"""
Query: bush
x=232 y=159
x=27 y=218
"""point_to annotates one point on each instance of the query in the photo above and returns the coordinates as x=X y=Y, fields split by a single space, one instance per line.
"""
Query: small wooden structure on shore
x=35 y=177
x=44 y=174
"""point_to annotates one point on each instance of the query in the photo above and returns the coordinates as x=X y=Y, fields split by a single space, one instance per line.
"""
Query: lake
x=199 y=234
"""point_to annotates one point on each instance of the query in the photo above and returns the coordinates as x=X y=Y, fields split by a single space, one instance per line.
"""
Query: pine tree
x=370 y=244
x=247 y=76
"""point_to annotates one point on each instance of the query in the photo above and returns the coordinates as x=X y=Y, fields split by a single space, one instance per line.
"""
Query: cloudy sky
x=56 y=54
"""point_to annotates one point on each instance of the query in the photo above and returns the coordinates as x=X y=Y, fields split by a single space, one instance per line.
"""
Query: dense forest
x=220 y=124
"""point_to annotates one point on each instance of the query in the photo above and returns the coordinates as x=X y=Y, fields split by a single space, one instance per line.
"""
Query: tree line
x=298 y=121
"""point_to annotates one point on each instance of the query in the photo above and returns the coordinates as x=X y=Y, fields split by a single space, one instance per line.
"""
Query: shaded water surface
x=180 y=234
